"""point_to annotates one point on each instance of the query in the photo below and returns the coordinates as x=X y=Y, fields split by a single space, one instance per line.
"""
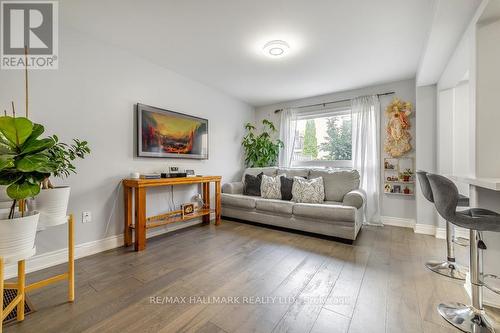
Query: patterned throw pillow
x=271 y=187
x=252 y=184
x=308 y=190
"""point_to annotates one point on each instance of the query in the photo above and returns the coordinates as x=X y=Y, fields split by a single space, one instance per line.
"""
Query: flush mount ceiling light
x=276 y=48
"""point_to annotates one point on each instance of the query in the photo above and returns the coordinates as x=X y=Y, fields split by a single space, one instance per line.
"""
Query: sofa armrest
x=233 y=188
x=355 y=198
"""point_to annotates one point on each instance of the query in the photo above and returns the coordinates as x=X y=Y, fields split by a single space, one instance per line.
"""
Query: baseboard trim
x=57 y=257
x=398 y=222
x=424 y=229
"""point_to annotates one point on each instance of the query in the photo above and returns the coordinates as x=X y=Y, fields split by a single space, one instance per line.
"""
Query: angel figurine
x=397 y=142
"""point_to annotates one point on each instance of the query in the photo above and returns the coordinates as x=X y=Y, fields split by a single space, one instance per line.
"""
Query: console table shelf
x=134 y=192
x=161 y=220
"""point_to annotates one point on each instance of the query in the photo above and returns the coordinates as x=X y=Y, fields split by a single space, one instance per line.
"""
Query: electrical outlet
x=86 y=217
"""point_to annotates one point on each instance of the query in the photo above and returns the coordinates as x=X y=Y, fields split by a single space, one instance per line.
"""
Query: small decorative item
x=397 y=189
x=398 y=138
x=187 y=209
x=388 y=165
x=173 y=169
x=190 y=173
x=198 y=199
x=387 y=188
x=406 y=175
x=406 y=190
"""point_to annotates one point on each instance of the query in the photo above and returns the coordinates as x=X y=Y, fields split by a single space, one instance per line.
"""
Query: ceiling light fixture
x=276 y=48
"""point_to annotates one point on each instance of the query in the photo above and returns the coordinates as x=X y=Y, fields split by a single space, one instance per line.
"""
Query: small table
x=136 y=188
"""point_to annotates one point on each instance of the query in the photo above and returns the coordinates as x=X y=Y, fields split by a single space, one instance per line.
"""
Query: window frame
x=324 y=112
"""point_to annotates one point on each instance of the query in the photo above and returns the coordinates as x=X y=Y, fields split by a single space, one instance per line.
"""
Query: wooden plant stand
x=136 y=189
x=22 y=288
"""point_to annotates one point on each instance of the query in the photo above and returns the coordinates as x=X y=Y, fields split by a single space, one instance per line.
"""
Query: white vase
x=17 y=235
x=52 y=205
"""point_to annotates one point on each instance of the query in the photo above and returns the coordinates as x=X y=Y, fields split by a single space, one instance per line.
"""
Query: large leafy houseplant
x=261 y=150
x=24 y=159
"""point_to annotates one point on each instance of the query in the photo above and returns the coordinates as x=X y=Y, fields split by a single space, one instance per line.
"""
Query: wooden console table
x=136 y=188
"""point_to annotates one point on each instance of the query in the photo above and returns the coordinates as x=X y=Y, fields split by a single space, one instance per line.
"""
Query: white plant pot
x=17 y=236
x=52 y=205
x=3 y=194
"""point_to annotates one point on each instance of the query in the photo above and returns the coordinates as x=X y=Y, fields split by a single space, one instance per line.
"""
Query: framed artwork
x=164 y=133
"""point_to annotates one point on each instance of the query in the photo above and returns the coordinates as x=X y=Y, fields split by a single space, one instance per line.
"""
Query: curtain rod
x=332 y=102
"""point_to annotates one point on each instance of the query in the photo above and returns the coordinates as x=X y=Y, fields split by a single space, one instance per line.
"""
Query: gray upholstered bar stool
x=468 y=318
x=446 y=267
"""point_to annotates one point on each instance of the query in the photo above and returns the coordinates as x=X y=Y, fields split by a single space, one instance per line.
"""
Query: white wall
x=425 y=148
x=92 y=96
x=392 y=206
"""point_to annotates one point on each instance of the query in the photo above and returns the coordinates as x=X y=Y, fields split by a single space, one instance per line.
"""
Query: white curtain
x=288 y=127
x=366 y=151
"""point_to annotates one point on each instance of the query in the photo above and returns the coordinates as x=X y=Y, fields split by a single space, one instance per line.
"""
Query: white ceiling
x=335 y=45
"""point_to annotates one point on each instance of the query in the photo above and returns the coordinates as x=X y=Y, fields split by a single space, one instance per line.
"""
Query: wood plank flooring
x=202 y=279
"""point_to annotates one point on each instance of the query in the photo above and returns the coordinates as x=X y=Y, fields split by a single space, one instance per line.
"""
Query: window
x=323 y=139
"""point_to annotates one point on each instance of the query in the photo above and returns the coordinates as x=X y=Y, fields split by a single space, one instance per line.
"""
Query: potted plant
x=406 y=175
x=23 y=164
x=52 y=201
x=261 y=150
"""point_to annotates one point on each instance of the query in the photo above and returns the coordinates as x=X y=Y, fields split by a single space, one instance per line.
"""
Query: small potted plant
x=406 y=190
x=23 y=163
x=406 y=175
x=52 y=201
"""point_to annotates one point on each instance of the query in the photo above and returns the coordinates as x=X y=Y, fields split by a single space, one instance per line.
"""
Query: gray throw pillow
x=308 y=190
x=252 y=184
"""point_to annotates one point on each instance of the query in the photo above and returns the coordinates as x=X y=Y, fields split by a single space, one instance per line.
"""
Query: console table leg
x=127 y=193
x=140 y=219
x=206 y=200
x=21 y=283
x=217 y=203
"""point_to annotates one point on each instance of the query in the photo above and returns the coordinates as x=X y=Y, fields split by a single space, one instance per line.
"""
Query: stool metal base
x=448 y=268
x=465 y=317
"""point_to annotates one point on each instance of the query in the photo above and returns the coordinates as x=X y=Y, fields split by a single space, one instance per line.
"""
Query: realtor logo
x=30 y=25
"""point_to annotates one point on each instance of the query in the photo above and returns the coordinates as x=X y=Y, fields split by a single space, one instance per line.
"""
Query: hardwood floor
x=379 y=284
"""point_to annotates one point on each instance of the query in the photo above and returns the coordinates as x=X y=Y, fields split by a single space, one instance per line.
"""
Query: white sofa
x=340 y=215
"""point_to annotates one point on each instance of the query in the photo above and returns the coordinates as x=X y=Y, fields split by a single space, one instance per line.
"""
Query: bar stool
x=446 y=267
x=468 y=318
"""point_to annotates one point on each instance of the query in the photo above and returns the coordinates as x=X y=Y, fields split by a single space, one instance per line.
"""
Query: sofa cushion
x=270 y=187
x=286 y=188
x=274 y=206
x=268 y=171
x=337 y=183
x=252 y=184
x=238 y=200
x=308 y=190
x=325 y=212
x=294 y=172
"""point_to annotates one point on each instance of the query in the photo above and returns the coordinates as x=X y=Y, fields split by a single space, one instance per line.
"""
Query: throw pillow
x=252 y=184
x=308 y=190
x=286 y=187
x=271 y=187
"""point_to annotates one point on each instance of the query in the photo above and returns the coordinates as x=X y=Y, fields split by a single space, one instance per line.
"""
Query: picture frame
x=187 y=209
x=163 y=133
